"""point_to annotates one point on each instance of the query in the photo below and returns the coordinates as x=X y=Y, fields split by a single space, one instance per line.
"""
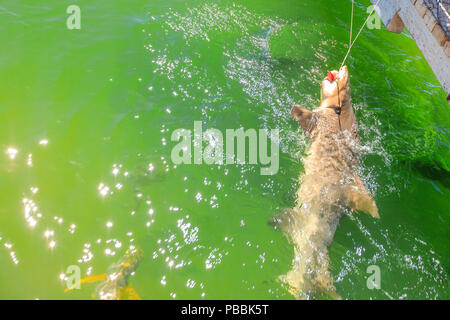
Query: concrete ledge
x=426 y=31
x=388 y=12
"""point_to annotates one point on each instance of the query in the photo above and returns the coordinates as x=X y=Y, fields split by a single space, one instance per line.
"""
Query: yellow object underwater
x=115 y=281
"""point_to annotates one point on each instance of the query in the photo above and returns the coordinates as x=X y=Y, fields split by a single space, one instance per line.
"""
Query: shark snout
x=331 y=82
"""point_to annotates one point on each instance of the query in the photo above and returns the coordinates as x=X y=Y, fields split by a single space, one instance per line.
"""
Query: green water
x=107 y=97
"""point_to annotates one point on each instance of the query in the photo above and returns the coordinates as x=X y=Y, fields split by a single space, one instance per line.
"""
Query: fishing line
x=351 y=25
x=351 y=43
x=360 y=30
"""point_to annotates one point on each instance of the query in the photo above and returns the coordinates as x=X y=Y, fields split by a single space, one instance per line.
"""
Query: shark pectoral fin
x=361 y=201
x=90 y=279
x=130 y=294
x=303 y=116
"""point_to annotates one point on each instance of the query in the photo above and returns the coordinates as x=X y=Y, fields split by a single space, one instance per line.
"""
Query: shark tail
x=309 y=277
x=304 y=286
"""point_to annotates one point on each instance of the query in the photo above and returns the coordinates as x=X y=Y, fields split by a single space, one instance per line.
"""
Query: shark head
x=335 y=88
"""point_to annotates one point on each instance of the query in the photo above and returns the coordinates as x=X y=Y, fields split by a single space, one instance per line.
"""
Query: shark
x=329 y=187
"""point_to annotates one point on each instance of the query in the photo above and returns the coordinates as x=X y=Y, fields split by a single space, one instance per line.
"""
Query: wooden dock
x=429 y=33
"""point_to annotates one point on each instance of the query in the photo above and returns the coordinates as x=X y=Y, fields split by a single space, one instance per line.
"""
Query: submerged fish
x=114 y=285
x=329 y=188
